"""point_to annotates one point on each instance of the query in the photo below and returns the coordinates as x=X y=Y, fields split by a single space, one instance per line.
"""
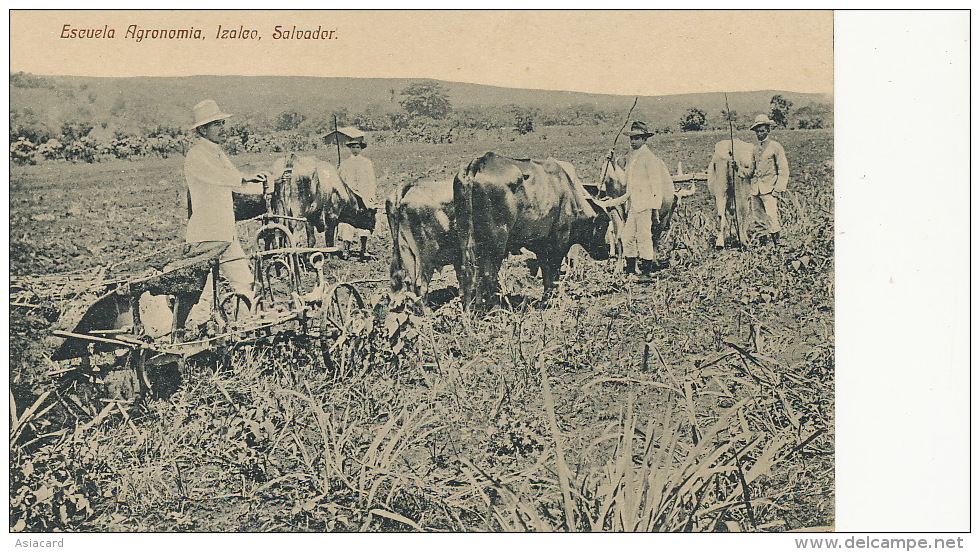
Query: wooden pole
x=731 y=189
x=336 y=136
x=602 y=180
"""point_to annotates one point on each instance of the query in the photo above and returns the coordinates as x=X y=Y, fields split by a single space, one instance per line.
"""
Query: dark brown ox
x=248 y=206
x=311 y=189
x=422 y=218
x=503 y=205
x=731 y=188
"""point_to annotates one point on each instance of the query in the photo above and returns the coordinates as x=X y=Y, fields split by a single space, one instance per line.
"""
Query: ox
x=307 y=188
x=248 y=206
x=422 y=218
x=503 y=205
x=731 y=198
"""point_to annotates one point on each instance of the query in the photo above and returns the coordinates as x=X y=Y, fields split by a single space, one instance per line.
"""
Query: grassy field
x=701 y=402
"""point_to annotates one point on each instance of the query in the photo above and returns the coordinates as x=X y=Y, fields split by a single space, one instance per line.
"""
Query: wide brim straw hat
x=359 y=141
x=762 y=120
x=208 y=112
x=638 y=128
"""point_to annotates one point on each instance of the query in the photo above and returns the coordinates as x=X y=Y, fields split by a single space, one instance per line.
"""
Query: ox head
x=614 y=181
x=360 y=214
x=338 y=201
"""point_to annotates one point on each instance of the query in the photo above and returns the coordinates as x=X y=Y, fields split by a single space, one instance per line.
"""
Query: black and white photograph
x=422 y=271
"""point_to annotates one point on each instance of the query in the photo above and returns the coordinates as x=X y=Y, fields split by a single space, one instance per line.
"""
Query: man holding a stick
x=648 y=182
x=771 y=175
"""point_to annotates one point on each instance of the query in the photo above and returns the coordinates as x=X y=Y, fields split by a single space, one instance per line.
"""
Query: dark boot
x=364 y=253
x=775 y=239
x=631 y=265
x=646 y=270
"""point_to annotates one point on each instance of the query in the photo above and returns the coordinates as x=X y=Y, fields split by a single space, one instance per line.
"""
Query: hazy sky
x=615 y=52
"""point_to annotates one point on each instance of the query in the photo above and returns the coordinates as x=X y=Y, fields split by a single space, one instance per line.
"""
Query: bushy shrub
x=22 y=152
x=694 y=120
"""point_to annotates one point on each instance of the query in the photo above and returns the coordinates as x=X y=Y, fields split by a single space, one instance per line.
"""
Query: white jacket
x=211 y=177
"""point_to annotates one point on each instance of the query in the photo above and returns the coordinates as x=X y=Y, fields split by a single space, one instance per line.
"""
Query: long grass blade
x=563 y=471
x=26 y=418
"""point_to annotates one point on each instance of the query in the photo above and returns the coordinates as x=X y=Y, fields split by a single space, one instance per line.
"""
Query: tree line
x=781 y=112
x=421 y=112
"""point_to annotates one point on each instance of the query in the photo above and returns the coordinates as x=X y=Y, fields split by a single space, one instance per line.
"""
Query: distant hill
x=136 y=101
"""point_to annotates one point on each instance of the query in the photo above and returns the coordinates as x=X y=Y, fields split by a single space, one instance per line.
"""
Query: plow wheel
x=342 y=306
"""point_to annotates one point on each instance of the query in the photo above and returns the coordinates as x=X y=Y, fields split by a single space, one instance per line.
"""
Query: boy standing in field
x=357 y=171
x=771 y=175
x=648 y=181
x=211 y=178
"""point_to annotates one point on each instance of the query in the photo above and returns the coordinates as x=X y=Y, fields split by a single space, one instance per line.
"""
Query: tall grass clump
x=681 y=467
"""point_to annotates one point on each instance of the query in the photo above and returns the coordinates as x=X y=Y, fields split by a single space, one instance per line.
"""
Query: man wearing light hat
x=648 y=182
x=771 y=175
x=357 y=172
x=211 y=178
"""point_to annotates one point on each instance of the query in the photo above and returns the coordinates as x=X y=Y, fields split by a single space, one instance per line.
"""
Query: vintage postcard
x=438 y=271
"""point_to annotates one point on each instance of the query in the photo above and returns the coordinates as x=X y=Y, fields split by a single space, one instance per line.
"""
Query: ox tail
x=463 y=204
x=722 y=186
x=405 y=259
x=315 y=209
x=411 y=263
x=719 y=179
x=397 y=267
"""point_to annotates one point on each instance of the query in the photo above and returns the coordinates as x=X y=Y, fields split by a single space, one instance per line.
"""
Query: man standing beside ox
x=771 y=175
x=357 y=172
x=648 y=182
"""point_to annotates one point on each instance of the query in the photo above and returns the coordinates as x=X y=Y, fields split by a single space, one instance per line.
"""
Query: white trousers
x=638 y=234
x=766 y=210
x=235 y=268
